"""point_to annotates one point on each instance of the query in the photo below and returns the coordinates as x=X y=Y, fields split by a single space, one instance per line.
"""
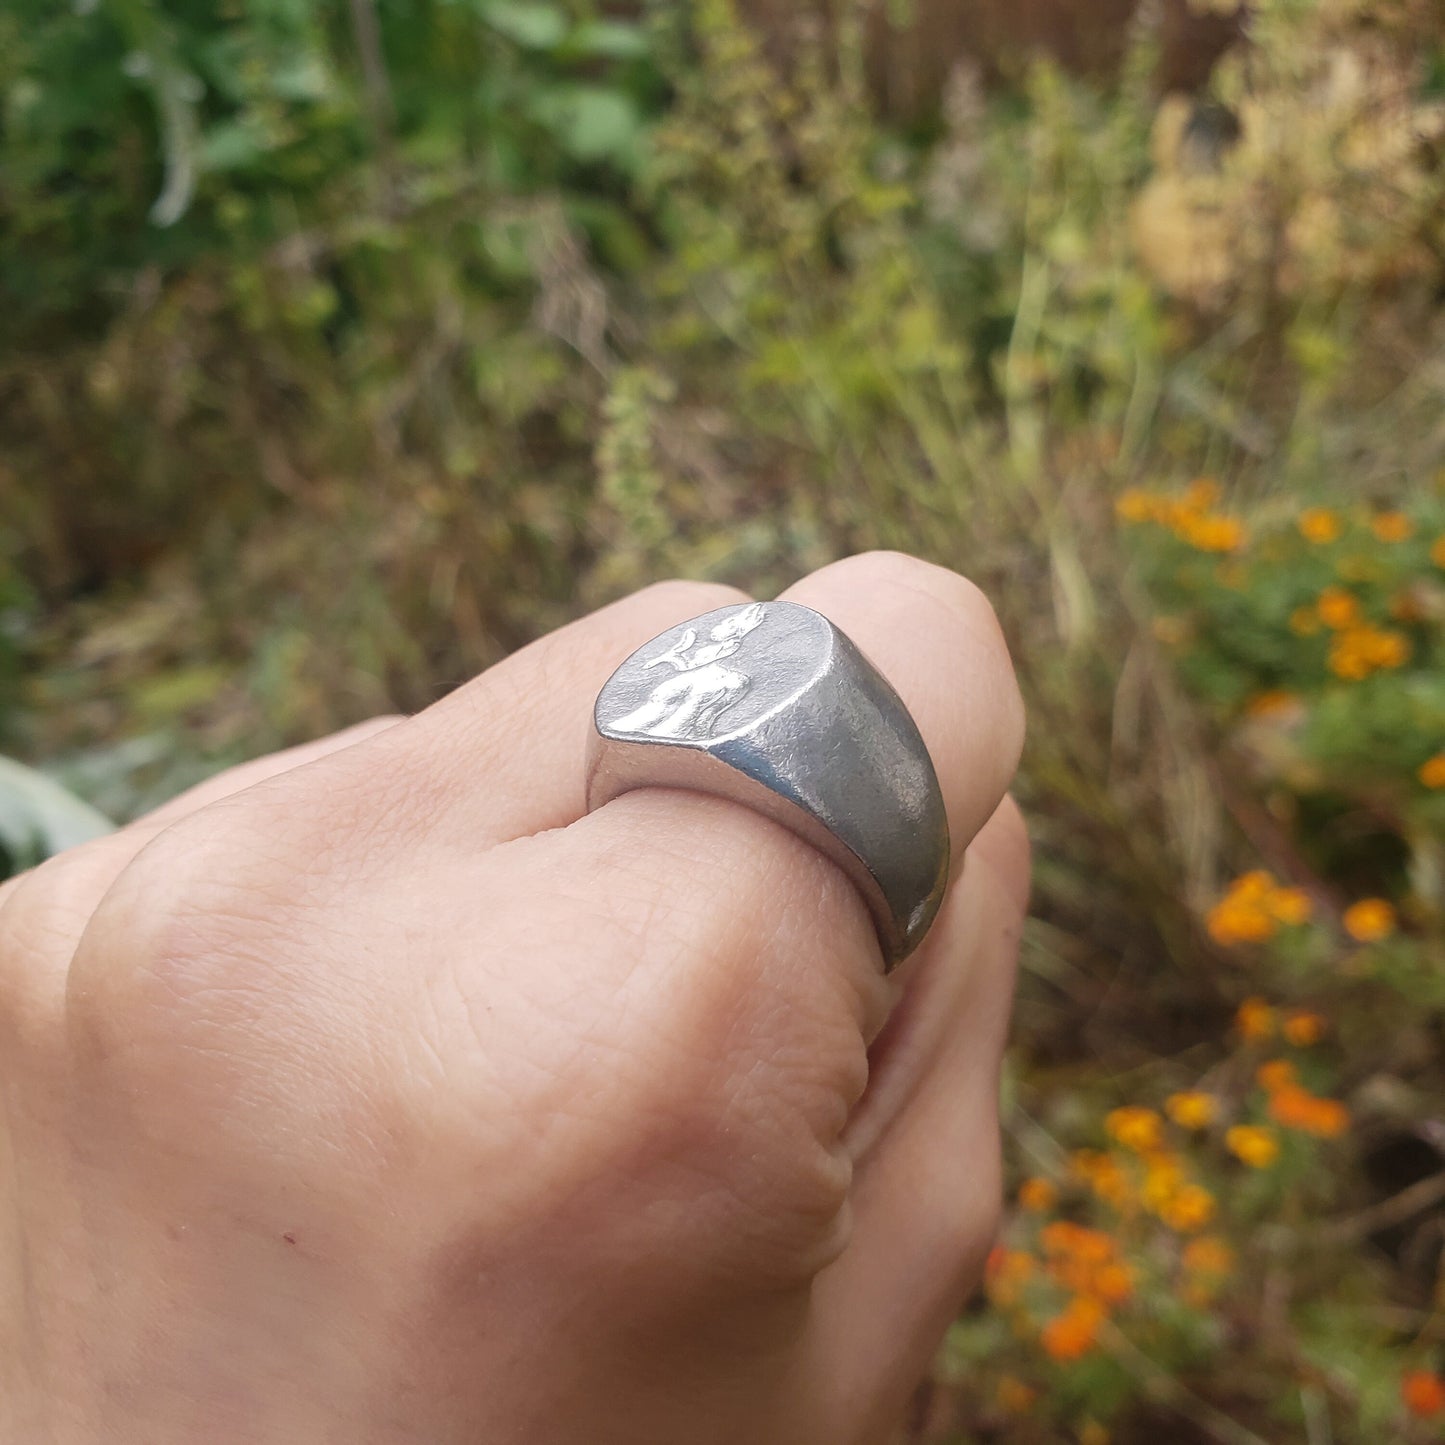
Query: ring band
x=770 y=705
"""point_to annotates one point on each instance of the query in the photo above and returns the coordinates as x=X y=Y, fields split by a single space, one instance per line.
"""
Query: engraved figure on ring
x=687 y=705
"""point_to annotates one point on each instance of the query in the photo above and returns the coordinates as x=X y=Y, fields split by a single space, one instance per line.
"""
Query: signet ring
x=770 y=705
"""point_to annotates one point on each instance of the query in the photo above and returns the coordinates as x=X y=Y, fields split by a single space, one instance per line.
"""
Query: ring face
x=769 y=704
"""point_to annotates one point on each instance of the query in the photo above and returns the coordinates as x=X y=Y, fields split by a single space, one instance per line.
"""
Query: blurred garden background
x=348 y=344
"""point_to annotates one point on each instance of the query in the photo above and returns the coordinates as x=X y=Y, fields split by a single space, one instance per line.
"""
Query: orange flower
x=1207 y=1255
x=1254 y=1144
x=1437 y=551
x=1072 y=1334
x=1005 y=1274
x=1319 y=525
x=1211 y=532
x=1037 y=1195
x=1192 y=1109
x=1135 y=1128
x=1274 y=1075
x=1358 y=651
x=1392 y=526
x=1163 y=1178
x=1337 y=608
x=1103 y=1174
x=1369 y=920
x=1297 y=1108
x=1137 y=505
x=1290 y=906
x=1113 y=1283
x=1277 y=703
x=1304 y=1029
x=1432 y=771
x=1255 y=1020
x=1423 y=1394
x=1188 y=1209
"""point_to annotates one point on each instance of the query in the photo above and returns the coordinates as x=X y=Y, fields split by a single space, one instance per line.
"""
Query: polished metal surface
x=769 y=704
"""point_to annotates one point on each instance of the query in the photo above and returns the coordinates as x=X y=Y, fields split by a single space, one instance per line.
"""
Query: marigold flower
x=1275 y=703
x=1356 y=652
x=1303 y=1029
x=1255 y=1020
x=1163 y=1178
x=1235 y=919
x=1291 y=906
x=1319 y=525
x=1014 y=1396
x=1297 y=1108
x=1305 y=621
x=1192 y=1109
x=1392 y=526
x=1112 y=1283
x=1136 y=505
x=1437 y=551
x=1188 y=1209
x=1432 y=771
x=1211 y=532
x=1065 y=1238
x=1274 y=1075
x=1103 y=1174
x=1423 y=1394
x=1072 y=1334
x=1256 y=1145
x=1369 y=920
x=1207 y=1255
x=1037 y=1195
x=1005 y=1274
x=1136 y=1128
x=1337 y=608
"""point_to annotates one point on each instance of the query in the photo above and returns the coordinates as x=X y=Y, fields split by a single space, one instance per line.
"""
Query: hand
x=374 y=1093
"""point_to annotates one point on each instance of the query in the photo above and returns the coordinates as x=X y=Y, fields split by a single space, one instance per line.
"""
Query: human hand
x=374 y=1093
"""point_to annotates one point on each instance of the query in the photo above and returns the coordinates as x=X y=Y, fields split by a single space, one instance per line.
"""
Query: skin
x=375 y=1093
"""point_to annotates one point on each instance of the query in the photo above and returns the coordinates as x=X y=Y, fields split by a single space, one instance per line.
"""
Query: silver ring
x=769 y=704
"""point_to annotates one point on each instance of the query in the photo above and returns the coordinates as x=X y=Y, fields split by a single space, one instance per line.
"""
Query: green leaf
x=591 y=122
x=533 y=27
x=39 y=818
x=612 y=39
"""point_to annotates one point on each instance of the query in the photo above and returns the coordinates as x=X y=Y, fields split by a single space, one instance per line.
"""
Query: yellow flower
x=1304 y=1029
x=1337 y=608
x=1037 y=1195
x=1137 y=505
x=1358 y=651
x=1276 y=1074
x=1319 y=525
x=1369 y=920
x=1432 y=771
x=1212 y=532
x=1188 y=1209
x=1256 y=1145
x=1255 y=1020
x=1163 y=1178
x=1392 y=526
x=1192 y=1109
x=1304 y=621
x=1290 y=906
x=1135 y=1128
